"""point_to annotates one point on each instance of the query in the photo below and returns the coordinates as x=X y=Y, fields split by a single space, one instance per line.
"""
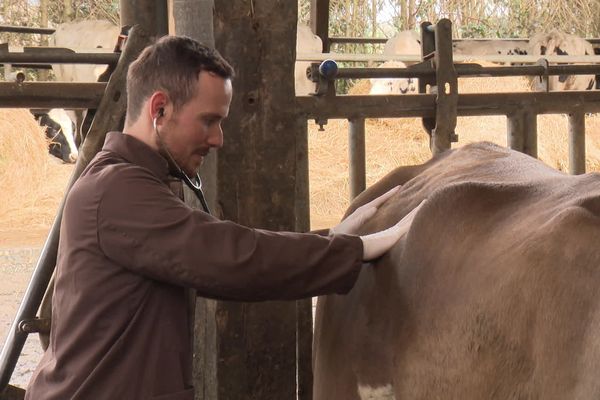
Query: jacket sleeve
x=145 y=228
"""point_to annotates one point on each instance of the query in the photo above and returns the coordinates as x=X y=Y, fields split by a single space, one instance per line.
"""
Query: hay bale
x=31 y=181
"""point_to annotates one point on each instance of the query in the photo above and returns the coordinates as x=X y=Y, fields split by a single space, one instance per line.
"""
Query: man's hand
x=376 y=244
x=352 y=223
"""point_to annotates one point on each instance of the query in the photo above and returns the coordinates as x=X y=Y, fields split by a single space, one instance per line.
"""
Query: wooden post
x=522 y=132
x=319 y=21
x=356 y=150
x=257 y=172
x=194 y=18
x=304 y=325
x=151 y=15
x=577 y=143
x=447 y=89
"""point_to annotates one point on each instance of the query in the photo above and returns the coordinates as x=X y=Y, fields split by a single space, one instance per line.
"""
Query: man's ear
x=158 y=104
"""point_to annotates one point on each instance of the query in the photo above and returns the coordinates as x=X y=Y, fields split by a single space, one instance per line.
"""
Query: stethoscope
x=196 y=184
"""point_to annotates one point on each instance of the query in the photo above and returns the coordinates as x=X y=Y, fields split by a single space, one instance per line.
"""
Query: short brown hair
x=171 y=64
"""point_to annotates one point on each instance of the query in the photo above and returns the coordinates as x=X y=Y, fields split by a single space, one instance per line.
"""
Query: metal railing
x=439 y=101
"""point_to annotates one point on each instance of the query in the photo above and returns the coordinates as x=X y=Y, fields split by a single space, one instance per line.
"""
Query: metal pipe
x=466 y=70
x=515 y=135
x=309 y=56
x=530 y=120
x=26 y=29
x=469 y=104
x=35 y=291
x=357 y=40
x=522 y=132
x=577 y=143
x=54 y=56
x=51 y=94
x=356 y=152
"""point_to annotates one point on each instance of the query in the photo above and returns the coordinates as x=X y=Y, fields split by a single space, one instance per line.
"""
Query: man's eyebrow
x=211 y=115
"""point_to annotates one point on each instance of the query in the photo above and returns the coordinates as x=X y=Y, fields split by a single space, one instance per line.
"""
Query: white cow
x=403 y=43
x=88 y=36
x=384 y=86
x=83 y=36
x=560 y=43
x=490 y=47
x=306 y=42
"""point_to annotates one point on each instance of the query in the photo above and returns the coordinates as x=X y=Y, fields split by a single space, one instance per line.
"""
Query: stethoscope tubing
x=196 y=187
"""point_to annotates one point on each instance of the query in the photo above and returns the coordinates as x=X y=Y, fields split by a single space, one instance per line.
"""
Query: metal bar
x=58 y=57
x=356 y=153
x=447 y=89
x=51 y=94
x=577 y=143
x=33 y=66
x=427 y=48
x=457 y=58
x=522 y=132
x=465 y=70
x=469 y=104
x=304 y=320
x=365 y=40
x=515 y=133
x=343 y=39
x=319 y=21
x=26 y=29
x=530 y=122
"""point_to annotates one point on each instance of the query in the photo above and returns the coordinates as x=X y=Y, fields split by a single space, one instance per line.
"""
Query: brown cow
x=493 y=293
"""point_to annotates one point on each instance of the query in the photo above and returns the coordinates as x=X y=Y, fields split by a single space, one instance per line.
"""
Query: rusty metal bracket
x=427 y=51
x=323 y=75
x=35 y=325
x=544 y=82
x=447 y=94
x=436 y=48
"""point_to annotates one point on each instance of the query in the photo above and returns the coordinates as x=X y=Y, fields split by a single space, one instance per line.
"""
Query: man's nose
x=215 y=138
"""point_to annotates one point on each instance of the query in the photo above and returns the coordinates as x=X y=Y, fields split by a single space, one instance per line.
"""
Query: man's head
x=186 y=87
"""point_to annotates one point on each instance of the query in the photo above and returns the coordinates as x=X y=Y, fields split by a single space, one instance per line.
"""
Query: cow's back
x=492 y=294
x=89 y=35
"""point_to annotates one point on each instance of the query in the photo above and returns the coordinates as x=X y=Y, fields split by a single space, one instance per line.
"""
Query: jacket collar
x=137 y=152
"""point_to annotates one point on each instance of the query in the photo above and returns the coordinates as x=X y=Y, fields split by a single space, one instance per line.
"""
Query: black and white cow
x=59 y=131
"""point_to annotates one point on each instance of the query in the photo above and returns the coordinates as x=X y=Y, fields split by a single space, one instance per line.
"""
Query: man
x=129 y=247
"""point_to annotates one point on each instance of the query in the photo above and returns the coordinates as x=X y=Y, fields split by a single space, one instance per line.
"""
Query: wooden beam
x=469 y=104
x=257 y=172
x=319 y=21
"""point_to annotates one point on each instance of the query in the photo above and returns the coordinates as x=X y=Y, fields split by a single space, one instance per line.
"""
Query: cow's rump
x=493 y=294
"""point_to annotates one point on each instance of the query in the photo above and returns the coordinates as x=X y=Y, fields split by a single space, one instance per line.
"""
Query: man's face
x=195 y=127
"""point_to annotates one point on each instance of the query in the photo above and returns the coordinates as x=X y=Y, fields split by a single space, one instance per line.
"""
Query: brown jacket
x=128 y=250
